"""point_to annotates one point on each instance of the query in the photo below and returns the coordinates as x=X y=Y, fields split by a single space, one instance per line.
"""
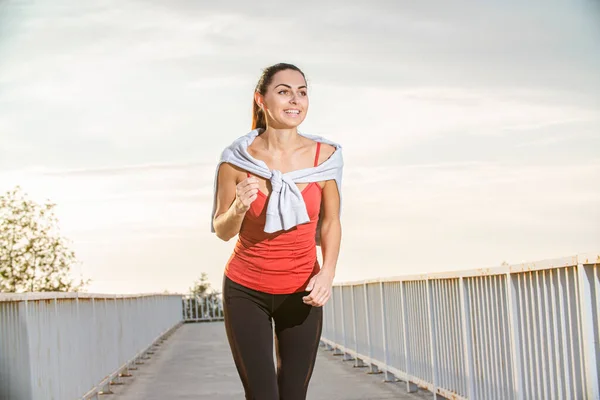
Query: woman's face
x=286 y=100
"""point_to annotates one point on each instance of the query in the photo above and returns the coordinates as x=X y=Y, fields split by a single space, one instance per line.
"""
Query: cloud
x=161 y=87
x=375 y=121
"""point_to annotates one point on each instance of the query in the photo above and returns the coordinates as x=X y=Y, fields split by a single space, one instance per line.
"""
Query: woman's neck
x=280 y=140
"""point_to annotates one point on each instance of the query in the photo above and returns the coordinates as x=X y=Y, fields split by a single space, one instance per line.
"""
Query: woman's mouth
x=292 y=112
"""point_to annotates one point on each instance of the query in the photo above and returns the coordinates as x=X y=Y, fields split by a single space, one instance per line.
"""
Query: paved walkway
x=195 y=363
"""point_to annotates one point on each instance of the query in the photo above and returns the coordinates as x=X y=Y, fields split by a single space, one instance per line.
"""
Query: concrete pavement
x=195 y=363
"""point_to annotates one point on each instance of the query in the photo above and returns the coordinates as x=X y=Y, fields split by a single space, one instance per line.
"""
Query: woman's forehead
x=288 y=77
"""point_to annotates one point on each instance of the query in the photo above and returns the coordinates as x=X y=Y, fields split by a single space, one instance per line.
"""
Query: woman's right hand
x=245 y=193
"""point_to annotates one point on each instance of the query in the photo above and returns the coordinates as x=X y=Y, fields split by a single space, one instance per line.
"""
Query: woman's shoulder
x=241 y=142
x=228 y=170
x=326 y=151
x=323 y=140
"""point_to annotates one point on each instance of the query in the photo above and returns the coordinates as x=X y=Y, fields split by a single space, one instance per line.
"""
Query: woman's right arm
x=233 y=201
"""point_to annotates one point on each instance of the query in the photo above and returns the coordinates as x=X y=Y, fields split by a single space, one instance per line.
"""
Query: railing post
x=140 y=329
x=330 y=346
x=515 y=340
x=346 y=356
x=372 y=368
x=196 y=300
x=85 y=369
x=117 y=379
x=388 y=377
x=208 y=302
x=187 y=308
x=586 y=285
x=432 y=337
x=357 y=361
x=410 y=386
x=220 y=306
x=105 y=388
x=183 y=308
x=147 y=306
x=209 y=307
x=126 y=316
x=465 y=303
x=58 y=353
x=336 y=349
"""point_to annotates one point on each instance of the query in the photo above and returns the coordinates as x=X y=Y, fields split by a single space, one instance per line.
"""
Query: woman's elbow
x=221 y=234
x=224 y=236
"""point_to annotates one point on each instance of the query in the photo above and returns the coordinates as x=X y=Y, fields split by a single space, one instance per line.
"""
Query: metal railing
x=199 y=309
x=526 y=331
x=74 y=345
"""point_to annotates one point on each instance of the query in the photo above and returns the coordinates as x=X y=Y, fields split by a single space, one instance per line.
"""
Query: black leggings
x=248 y=316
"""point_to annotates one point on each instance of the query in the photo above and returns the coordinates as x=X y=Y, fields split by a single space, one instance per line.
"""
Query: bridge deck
x=195 y=363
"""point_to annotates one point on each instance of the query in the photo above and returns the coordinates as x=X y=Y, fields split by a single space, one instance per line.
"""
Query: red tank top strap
x=317 y=153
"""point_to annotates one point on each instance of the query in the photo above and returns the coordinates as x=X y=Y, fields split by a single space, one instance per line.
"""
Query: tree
x=205 y=299
x=201 y=287
x=203 y=290
x=34 y=257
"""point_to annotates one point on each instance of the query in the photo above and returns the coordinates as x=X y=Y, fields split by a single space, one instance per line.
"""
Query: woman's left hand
x=319 y=287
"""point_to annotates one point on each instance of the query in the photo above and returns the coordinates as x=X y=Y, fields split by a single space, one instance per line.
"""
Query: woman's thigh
x=298 y=332
x=250 y=334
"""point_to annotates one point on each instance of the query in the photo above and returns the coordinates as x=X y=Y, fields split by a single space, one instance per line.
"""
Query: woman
x=279 y=190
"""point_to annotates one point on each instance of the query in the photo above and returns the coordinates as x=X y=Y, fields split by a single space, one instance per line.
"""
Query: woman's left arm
x=331 y=236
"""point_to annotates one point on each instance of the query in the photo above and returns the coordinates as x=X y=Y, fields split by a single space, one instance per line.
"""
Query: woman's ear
x=260 y=100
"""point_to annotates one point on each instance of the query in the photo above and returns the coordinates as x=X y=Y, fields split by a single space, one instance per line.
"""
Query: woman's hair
x=258 y=115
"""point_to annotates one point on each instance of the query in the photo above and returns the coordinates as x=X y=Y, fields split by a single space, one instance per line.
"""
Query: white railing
x=526 y=331
x=74 y=345
x=199 y=309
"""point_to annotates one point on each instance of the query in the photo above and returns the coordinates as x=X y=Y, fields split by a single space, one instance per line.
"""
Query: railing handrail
x=584 y=258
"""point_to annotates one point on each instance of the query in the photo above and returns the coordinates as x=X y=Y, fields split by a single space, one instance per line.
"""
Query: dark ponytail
x=258 y=115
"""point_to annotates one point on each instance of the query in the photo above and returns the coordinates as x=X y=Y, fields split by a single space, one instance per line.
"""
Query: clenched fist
x=245 y=193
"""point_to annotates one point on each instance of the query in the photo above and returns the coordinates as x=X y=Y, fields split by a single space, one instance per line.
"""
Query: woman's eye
x=286 y=92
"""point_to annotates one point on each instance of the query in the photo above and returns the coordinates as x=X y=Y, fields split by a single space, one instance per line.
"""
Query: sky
x=470 y=130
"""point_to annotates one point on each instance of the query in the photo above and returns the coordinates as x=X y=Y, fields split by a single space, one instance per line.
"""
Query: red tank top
x=280 y=262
